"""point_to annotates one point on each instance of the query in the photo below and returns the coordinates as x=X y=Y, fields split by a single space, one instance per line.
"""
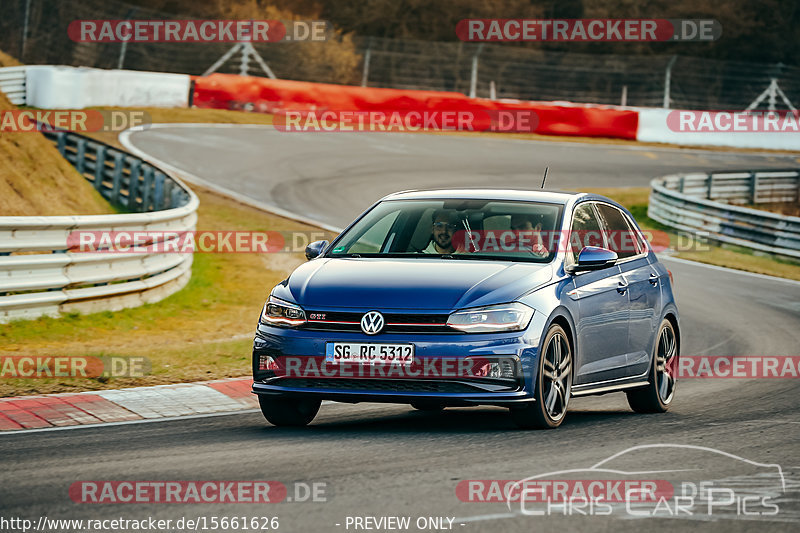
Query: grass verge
x=200 y=332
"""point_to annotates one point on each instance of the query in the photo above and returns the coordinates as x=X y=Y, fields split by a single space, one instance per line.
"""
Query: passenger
x=522 y=223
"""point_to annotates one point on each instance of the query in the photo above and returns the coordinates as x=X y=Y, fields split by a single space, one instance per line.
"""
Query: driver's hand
x=540 y=250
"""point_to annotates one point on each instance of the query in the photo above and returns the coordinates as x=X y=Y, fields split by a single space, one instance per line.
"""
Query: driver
x=443 y=227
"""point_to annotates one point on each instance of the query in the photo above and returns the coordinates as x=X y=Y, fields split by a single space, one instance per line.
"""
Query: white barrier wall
x=654 y=127
x=51 y=87
x=59 y=87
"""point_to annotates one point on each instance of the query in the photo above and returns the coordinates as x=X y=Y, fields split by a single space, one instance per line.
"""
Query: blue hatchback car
x=520 y=299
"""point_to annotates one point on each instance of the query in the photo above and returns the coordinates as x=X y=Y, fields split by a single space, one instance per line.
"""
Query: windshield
x=458 y=229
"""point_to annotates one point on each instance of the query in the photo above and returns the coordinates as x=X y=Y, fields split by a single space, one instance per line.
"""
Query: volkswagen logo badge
x=372 y=323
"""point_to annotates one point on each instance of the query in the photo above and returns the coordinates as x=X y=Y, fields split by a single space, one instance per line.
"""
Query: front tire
x=427 y=406
x=553 y=384
x=288 y=411
x=657 y=396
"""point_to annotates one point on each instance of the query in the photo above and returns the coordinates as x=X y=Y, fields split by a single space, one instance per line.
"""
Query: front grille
x=395 y=322
x=382 y=385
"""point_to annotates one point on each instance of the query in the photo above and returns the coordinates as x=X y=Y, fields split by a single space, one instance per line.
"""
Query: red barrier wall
x=228 y=91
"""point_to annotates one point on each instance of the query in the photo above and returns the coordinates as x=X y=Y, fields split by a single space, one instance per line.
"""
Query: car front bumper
x=451 y=391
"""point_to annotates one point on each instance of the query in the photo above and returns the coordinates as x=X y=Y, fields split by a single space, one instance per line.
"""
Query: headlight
x=277 y=312
x=505 y=317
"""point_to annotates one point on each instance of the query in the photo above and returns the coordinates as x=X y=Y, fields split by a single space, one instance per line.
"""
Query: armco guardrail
x=13 y=84
x=34 y=284
x=694 y=203
x=111 y=170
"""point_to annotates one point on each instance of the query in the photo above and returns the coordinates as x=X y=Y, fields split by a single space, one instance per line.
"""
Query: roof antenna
x=545 y=176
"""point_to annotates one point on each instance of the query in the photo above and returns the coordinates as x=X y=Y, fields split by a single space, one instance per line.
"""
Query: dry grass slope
x=8 y=61
x=36 y=180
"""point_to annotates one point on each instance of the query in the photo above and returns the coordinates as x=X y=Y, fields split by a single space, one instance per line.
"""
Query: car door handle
x=653 y=280
x=622 y=287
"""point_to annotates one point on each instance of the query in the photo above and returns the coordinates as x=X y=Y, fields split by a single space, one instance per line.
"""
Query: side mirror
x=594 y=258
x=315 y=248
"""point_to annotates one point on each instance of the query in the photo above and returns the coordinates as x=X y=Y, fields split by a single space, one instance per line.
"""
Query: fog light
x=489 y=370
x=266 y=362
x=500 y=368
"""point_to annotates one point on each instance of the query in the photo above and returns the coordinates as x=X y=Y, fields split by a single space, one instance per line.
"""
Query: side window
x=584 y=231
x=620 y=236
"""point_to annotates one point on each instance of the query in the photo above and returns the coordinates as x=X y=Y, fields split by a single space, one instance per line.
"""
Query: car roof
x=557 y=197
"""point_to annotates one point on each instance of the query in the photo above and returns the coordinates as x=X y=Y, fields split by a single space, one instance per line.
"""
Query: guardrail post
x=80 y=158
x=119 y=162
x=99 y=166
x=133 y=183
x=61 y=137
x=146 y=186
x=167 y=195
x=158 y=194
x=681 y=184
x=753 y=188
x=709 y=185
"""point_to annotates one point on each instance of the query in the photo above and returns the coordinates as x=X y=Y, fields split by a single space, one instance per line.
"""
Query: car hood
x=421 y=284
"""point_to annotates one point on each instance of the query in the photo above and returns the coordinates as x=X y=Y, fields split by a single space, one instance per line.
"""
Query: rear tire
x=288 y=411
x=553 y=384
x=657 y=396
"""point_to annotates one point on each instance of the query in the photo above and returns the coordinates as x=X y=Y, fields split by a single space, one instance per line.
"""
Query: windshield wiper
x=465 y=223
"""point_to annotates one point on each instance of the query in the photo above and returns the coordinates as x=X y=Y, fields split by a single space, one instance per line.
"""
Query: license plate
x=369 y=354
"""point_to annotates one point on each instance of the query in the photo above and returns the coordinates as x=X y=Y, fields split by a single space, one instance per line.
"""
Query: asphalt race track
x=331 y=177
x=390 y=460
